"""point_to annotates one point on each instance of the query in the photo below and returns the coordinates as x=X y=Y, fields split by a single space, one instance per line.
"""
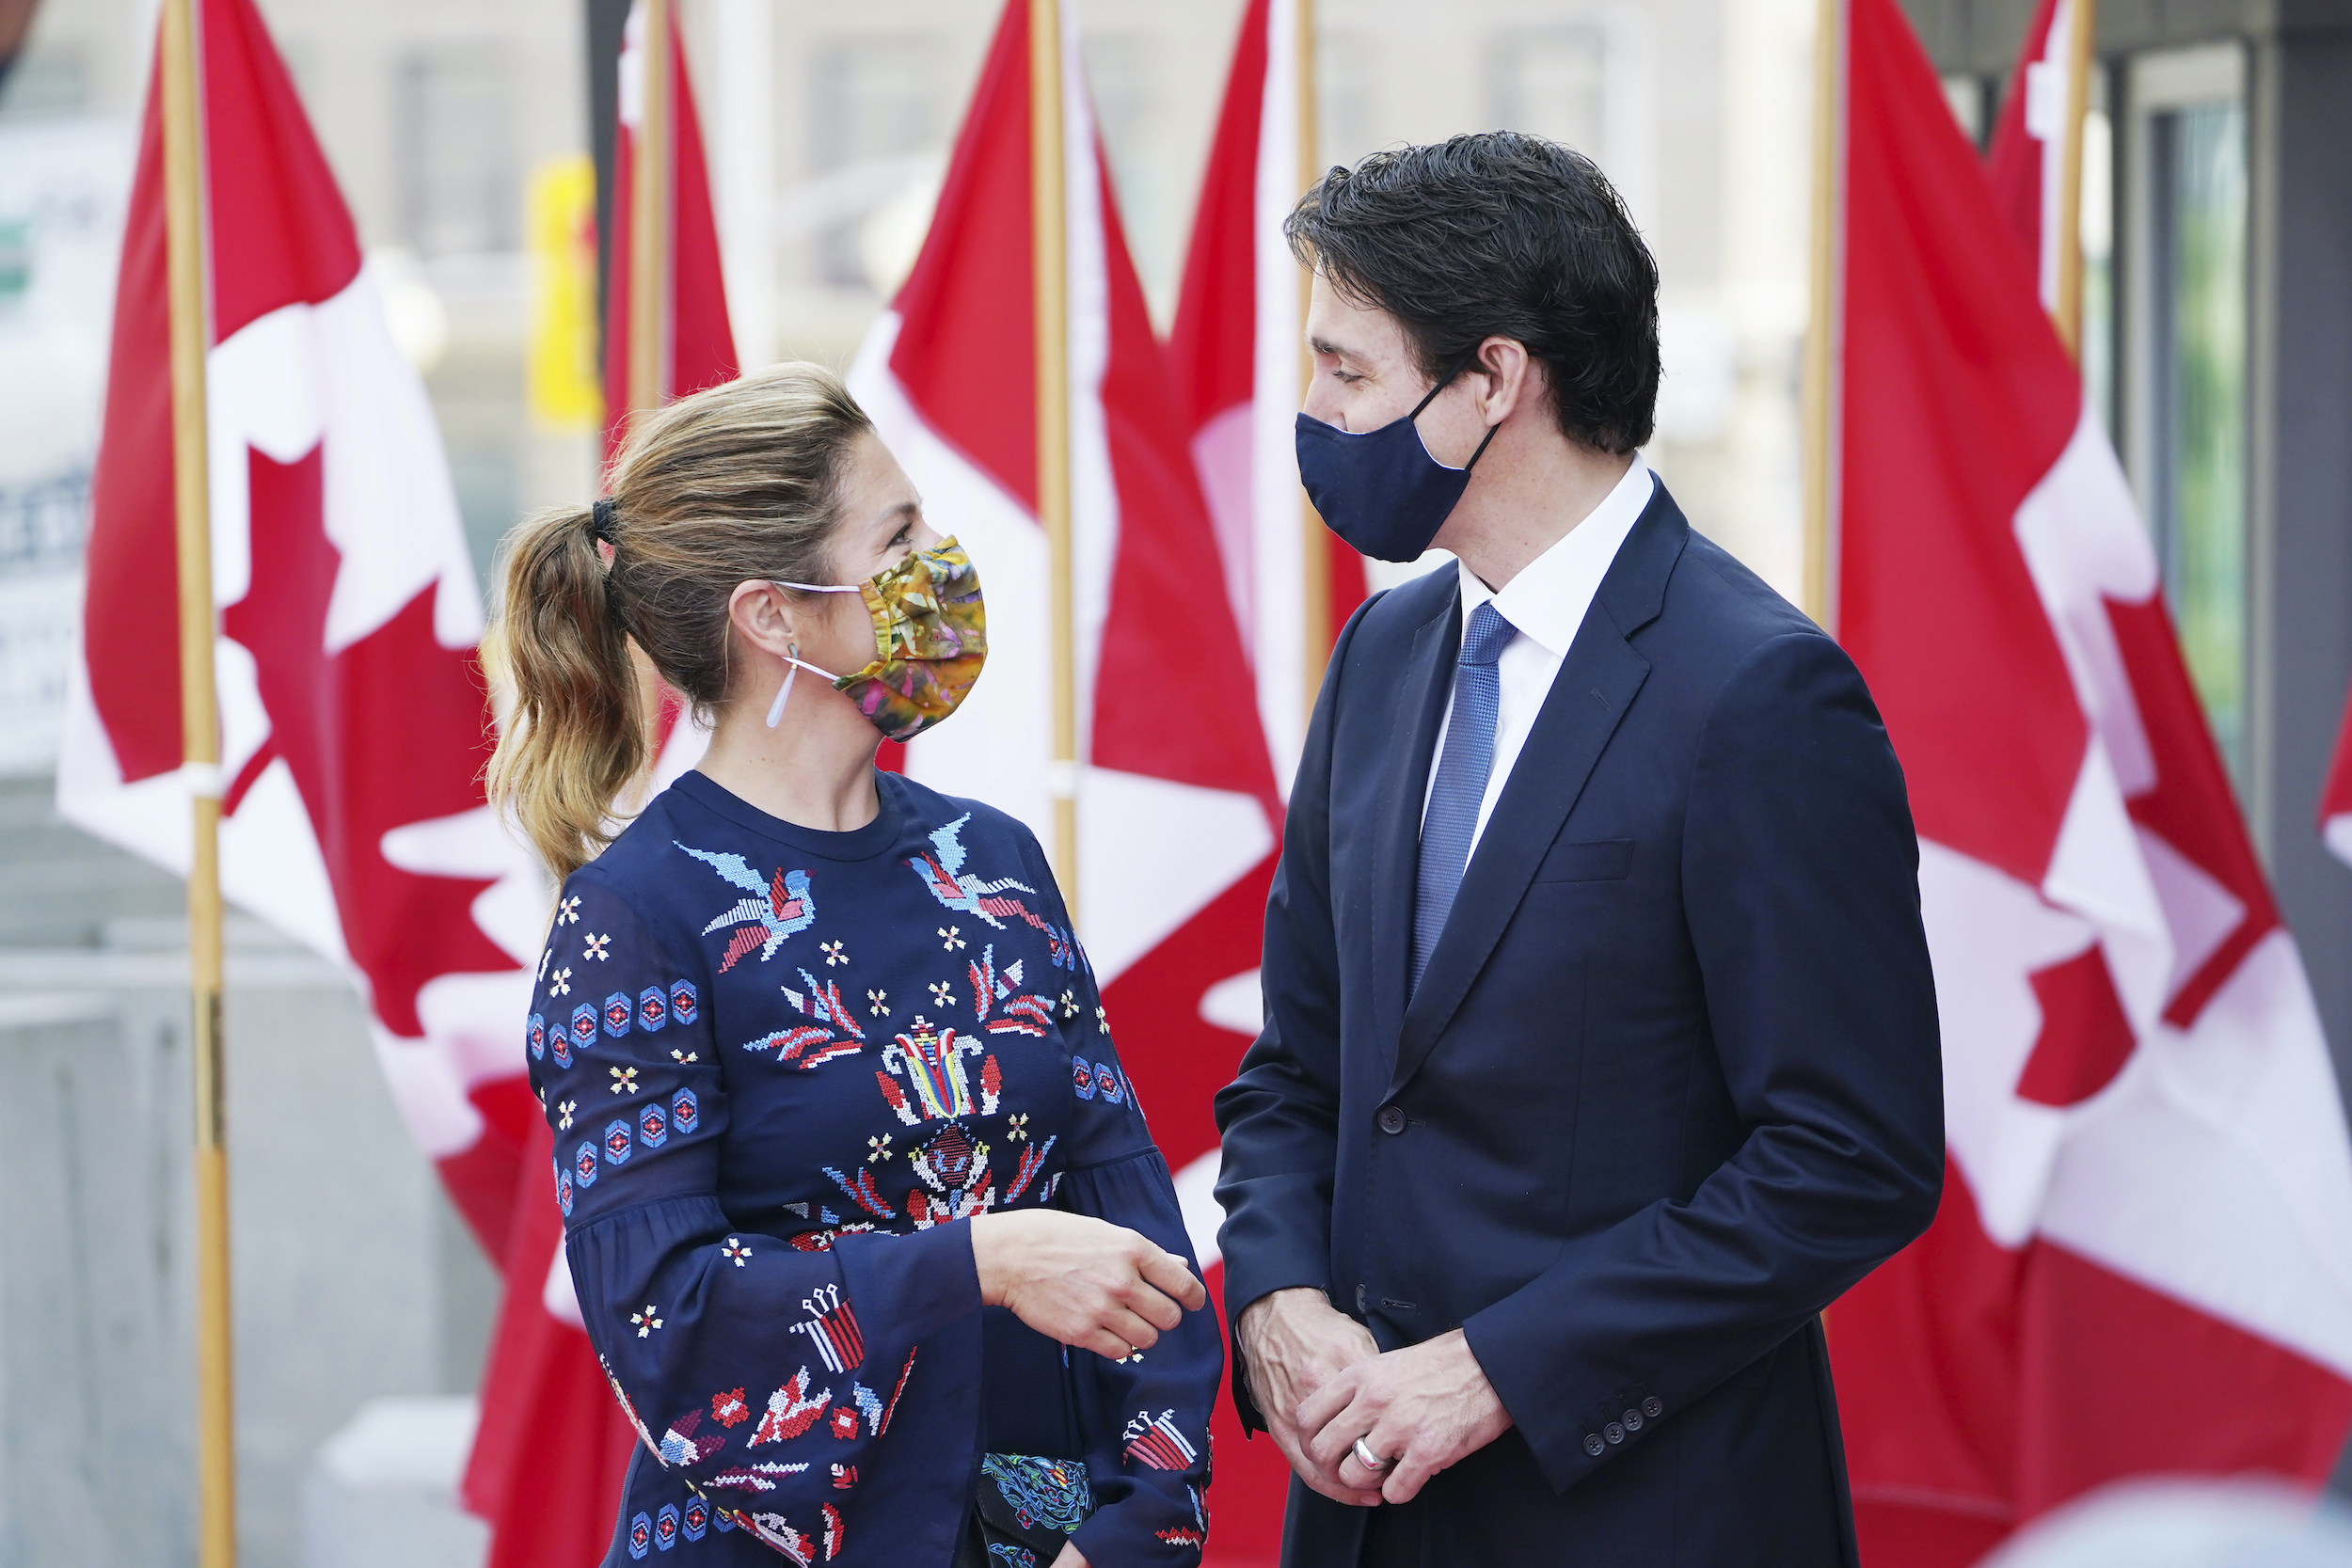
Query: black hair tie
x=600 y=519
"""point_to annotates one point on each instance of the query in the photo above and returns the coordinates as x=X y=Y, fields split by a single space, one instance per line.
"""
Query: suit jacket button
x=1391 y=1119
x=1593 y=1445
x=1614 y=1433
x=1633 y=1421
x=1651 y=1409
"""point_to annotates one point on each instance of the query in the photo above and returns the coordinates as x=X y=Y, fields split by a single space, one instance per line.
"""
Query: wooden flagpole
x=1821 y=334
x=2067 y=310
x=1315 y=540
x=1049 y=245
x=649 y=212
x=184 y=249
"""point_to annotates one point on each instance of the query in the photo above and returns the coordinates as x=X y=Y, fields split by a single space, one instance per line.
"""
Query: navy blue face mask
x=1380 y=490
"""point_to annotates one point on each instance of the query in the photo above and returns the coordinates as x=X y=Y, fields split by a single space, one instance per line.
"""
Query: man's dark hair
x=1500 y=234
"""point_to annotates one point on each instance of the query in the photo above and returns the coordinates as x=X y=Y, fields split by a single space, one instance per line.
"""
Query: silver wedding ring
x=1370 y=1460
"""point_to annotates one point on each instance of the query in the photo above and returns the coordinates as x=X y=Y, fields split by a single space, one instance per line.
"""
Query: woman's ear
x=765 y=616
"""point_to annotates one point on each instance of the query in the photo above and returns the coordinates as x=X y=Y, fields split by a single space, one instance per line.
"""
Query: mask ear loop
x=1452 y=375
x=783 y=693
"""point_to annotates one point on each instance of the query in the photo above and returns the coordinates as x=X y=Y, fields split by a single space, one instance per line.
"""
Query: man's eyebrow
x=1325 y=345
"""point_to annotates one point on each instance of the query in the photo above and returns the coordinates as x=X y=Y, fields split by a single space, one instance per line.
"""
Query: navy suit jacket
x=1670 y=1084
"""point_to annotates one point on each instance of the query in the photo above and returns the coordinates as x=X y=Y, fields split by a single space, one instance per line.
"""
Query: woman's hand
x=1083 y=1281
x=1071 y=1557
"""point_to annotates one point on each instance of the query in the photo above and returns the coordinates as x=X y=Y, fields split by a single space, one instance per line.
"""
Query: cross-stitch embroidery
x=782 y=906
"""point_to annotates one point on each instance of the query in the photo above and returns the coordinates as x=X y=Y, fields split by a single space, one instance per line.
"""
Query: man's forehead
x=1337 y=325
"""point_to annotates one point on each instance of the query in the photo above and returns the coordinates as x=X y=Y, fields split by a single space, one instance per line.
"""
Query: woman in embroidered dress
x=855 y=1192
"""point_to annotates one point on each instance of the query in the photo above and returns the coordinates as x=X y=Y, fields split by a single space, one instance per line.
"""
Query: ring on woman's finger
x=1371 y=1461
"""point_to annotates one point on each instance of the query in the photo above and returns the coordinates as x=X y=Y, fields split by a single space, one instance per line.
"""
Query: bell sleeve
x=778 y=1384
x=1145 y=1419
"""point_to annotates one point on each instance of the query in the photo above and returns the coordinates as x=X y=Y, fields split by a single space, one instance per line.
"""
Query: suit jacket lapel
x=1596 y=682
x=1412 y=745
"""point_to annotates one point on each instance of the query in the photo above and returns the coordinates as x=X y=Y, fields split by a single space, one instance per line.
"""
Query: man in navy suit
x=1600 y=1047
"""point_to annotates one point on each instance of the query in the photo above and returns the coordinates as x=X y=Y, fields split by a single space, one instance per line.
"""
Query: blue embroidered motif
x=564 y=1190
x=617 y=1014
x=725 y=1520
x=652 y=1009
x=617 y=1147
x=562 y=1047
x=1106 y=1079
x=653 y=1126
x=538 y=1037
x=584 y=1025
x=696 y=1519
x=1049 y=1491
x=780 y=906
x=684 y=1114
x=640 y=1536
x=943 y=873
x=1082 y=1077
x=585 y=1165
x=665 y=1526
x=682 y=1007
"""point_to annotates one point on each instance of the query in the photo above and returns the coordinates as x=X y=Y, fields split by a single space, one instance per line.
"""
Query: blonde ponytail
x=733 y=484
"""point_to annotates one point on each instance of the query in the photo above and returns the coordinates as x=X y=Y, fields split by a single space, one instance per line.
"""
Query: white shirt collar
x=1547 y=601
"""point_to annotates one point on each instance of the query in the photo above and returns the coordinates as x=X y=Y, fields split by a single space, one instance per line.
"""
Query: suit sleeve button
x=1633 y=1421
x=1614 y=1433
x=1391 y=1119
x=1593 y=1445
x=1651 y=1409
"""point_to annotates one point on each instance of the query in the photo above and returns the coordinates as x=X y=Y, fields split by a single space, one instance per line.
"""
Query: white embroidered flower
x=568 y=912
x=1103 y=1021
x=881 y=1147
x=1017 y=1127
x=736 y=1251
x=881 y=1000
x=647 y=1322
x=833 y=953
x=948 y=940
x=624 y=1078
x=598 y=946
x=682 y=1057
x=1070 y=1003
x=943 y=994
x=566 y=1110
x=562 y=985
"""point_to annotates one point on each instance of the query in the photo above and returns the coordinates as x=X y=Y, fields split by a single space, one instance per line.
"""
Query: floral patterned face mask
x=931 y=638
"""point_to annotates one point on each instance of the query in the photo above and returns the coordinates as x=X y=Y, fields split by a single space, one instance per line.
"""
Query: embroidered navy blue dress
x=782 y=1064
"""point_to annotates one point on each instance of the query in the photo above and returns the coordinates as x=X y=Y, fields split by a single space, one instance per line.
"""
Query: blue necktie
x=1452 y=819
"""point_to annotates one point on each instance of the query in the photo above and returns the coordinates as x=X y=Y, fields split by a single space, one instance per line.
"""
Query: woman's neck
x=815 y=770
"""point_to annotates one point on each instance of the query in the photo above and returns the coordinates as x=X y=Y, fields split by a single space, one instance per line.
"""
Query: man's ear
x=765 y=616
x=1511 y=375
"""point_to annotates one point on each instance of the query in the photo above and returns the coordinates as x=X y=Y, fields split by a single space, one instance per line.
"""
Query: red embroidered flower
x=844 y=1422
x=729 y=1407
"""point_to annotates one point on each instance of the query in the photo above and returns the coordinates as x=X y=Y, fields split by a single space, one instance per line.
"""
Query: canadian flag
x=1175 y=796
x=2335 y=802
x=2144 y=1258
x=1239 y=358
x=697 y=346
x=552 y=1445
x=354 y=726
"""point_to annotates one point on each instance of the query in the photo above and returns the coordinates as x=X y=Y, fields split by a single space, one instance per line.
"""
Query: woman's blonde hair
x=736 y=483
